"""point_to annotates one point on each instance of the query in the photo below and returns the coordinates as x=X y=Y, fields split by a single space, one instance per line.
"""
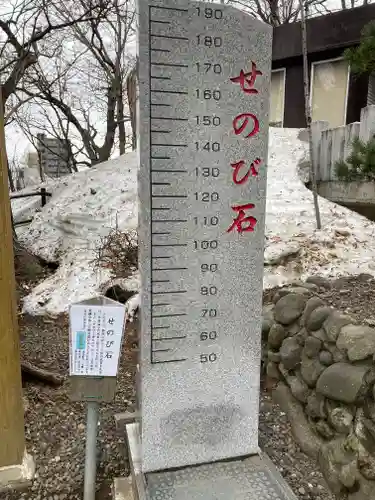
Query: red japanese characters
x=243 y=223
x=247 y=125
x=247 y=80
x=238 y=166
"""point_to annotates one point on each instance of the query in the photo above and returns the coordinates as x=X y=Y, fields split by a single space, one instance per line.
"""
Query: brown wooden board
x=99 y=389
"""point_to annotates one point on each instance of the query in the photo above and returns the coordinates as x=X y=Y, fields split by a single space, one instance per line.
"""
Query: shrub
x=360 y=164
x=118 y=252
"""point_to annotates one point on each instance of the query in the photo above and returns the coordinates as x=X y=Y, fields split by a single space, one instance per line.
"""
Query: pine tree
x=362 y=58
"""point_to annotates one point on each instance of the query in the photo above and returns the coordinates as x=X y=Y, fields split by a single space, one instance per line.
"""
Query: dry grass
x=118 y=252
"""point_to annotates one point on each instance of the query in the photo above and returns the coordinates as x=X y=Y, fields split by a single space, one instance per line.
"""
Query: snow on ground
x=86 y=205
x=344 y=246
x=83 y=209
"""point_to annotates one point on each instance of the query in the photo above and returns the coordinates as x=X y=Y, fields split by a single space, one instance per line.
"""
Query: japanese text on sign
x=95 y=339
x=247 y=125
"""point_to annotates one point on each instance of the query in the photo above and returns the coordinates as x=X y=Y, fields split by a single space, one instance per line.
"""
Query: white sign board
x=96 y=328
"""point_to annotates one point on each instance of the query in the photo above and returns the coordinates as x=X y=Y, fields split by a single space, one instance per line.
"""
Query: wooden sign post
x=12 y=438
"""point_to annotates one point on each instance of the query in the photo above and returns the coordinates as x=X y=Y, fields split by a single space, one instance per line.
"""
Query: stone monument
x=204 y=77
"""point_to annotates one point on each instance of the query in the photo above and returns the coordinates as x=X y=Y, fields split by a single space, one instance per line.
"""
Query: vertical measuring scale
x=201 y=276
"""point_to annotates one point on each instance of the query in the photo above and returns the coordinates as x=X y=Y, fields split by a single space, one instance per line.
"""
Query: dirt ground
x=55 y=427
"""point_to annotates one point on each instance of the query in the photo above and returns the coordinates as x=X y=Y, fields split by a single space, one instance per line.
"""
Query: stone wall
x=323 y=368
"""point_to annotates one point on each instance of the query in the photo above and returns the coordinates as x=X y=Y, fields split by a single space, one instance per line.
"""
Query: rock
x=317 y=318
x=348 y=474
x=298 y=388
x=338 y=356
x=341 y=420
x=315 y=407
x=303 y=284
x=274 y=356
x=276 y=336
x=284 y=372
x=301 y=337
x=320 y=334
x=333 y=324
x=290 y=353
x=326 y=358
x=319 y=281
x=267 y=320
x=366 y=465
x=324 y=430
x=293 y=329
x=311 y=370
x=307 y=440
x=343 y=382
x=312 y=347
x=266 y=327
x=282 y=292
x=273 y=371
x=369 y=408
x=332 y=457
x=311 y=305
x=289 y=308
x=358 y=341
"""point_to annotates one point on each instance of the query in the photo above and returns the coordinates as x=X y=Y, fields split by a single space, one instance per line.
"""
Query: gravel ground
x=55 y=427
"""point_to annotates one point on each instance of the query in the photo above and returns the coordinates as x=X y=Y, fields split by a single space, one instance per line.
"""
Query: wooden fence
x=42 y=193
x=333 y=144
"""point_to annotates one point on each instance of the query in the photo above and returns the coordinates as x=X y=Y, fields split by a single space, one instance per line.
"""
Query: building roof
x=337 y=30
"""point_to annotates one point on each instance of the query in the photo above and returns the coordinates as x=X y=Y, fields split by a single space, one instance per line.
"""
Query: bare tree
x=86 y=81
x=24 y=24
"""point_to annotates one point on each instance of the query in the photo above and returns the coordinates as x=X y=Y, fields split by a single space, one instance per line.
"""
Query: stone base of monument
x=248 y=478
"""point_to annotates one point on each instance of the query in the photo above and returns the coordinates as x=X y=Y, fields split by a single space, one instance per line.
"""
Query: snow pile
x=294 y=248
x=85 y=207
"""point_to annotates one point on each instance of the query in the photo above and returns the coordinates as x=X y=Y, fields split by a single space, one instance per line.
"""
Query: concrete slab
x=249 y=478
x=122 y=488
x=18 y=476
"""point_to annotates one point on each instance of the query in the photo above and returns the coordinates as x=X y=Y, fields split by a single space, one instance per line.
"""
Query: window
x=329 y=91
x=277 y=98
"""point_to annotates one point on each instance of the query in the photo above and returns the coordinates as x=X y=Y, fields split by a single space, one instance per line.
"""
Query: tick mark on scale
x=169 y=145
x=172 y=171
x=175 y=119
x=169 y=220
x=168 y=361
x=176 y=9
x=159 y=22
x=172 y=196
x=169 y=292
x=160 y=157
x=160 y=77
x=170 y=37
x=158 y=91
x=169 y=244
x=170 y=65
x=170 y=269
x=162 y=339
x=160 y=50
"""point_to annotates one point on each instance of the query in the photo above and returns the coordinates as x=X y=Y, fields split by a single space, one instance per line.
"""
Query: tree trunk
x=308 y=114
x=131 y=87
x=121 y=123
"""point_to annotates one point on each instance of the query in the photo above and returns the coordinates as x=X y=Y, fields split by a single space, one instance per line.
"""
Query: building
x=337 y=95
